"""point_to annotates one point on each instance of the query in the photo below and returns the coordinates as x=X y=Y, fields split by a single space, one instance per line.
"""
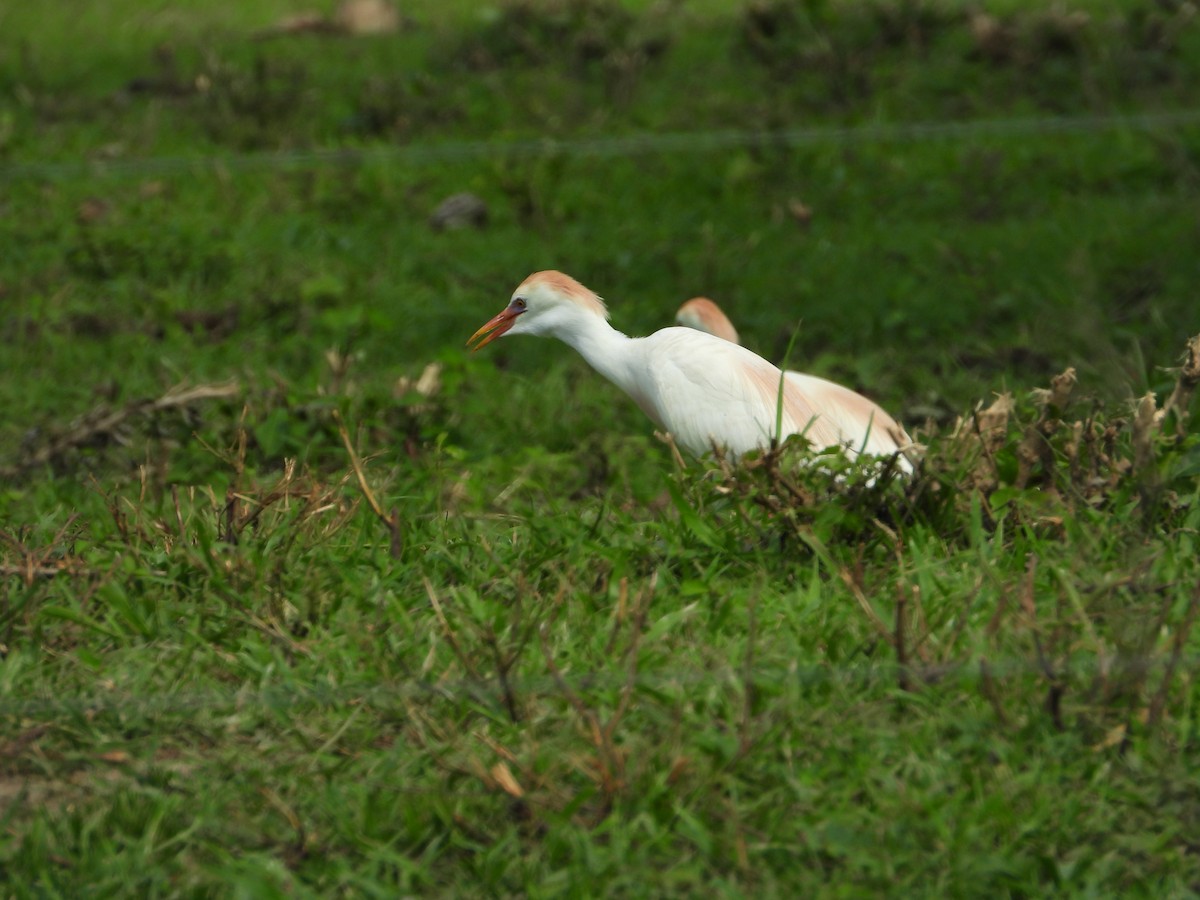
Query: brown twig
x=667 y=438
x=29 y=572
x=744 y=741
x=1180 y=400
x=299 y=846
x=637 y=627
x=1056 y=689
x=1145 y=428
x=987 y=684
x=390 y=522
x=898 y=641
x=465 y=660
x=989 y=424
x=40 y=563
x=1159 y=702
x=1035 y=448
x=503 y=665
x=18 y=745
x=619 y=616
x=822 y=553
x=960 y=624
x=610 y=762
x=103 y=423
x=576 y=702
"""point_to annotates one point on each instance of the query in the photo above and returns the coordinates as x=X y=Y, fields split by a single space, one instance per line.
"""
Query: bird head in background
x=545 y=303
x=704 y=315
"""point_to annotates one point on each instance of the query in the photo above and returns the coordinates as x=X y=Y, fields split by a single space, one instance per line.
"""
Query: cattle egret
x=861 y=425
x=704 y=315
x=705 y=391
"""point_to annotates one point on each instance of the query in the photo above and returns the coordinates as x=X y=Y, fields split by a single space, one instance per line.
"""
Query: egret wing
x=707 y=391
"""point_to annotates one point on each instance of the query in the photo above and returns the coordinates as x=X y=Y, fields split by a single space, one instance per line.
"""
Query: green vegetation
x=298 y=598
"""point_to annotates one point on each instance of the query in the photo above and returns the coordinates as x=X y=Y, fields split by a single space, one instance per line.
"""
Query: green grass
x=561 y=666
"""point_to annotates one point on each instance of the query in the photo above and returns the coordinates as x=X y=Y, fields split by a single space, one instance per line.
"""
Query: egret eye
x=519 y=304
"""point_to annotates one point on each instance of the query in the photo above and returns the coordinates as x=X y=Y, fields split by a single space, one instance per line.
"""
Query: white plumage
x=861 y=424
x=704 y=390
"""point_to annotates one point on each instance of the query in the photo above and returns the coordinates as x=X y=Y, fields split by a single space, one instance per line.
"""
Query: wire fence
x=287 y=698
x=601 y=147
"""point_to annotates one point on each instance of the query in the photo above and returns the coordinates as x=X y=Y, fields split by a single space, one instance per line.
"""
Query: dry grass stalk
x=1158 y=702
x=991 y=693
x=985 y=434
x=45 y=562
x=748 y=693
x=1180 y=402
x=451 y=637
x=103 y=424
x=504 y=779
x=390 y=521
x=1144 y=428
x=609 y=766
x=246 y=505
x=1036 y=451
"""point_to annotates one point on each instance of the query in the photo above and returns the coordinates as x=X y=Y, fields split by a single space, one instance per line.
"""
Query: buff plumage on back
x=569 y=288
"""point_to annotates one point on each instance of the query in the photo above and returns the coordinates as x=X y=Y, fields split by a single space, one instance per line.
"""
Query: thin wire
x=284 y=699
x=601 y=147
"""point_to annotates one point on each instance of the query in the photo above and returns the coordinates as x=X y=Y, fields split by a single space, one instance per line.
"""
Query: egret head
x=704 y=315
x=545 y=303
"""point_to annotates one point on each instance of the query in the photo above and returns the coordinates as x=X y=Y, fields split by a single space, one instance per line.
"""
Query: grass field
x=281 y=617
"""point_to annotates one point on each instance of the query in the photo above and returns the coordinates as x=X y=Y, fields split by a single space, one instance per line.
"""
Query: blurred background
x=298 y=598
x=930 y=201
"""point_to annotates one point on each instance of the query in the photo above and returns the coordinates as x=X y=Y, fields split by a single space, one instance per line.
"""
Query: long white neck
x=606 y=350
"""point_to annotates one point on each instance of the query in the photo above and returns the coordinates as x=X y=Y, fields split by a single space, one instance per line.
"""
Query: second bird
x=862 y=424
x=704 y=390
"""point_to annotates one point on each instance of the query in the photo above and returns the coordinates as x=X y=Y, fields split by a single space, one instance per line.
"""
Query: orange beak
x=493 y=328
